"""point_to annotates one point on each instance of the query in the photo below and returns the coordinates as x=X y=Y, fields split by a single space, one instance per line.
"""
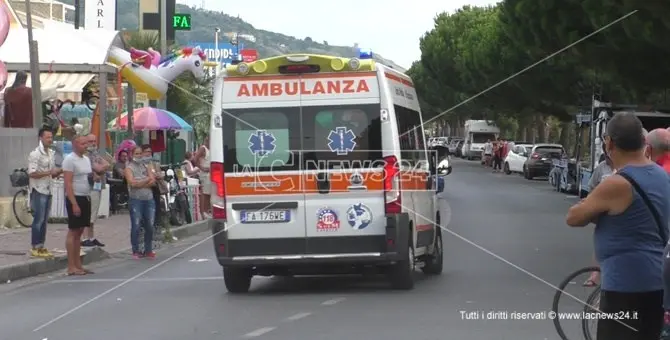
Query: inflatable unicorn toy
x=147 y=72
x=146 y=58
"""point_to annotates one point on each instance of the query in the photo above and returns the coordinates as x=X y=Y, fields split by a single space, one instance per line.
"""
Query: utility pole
x=77 y=13
x=162 y=104
x=34 y=71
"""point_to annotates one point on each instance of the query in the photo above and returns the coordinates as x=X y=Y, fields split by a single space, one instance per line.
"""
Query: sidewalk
x=114 y=232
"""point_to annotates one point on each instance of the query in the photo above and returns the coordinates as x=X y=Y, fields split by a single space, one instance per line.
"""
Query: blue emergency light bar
x=364 y=53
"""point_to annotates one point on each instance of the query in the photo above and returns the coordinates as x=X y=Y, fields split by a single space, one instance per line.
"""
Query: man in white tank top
x=203 y=161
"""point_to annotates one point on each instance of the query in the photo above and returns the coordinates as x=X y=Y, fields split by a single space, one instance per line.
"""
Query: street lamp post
x=34 y=70
x=162 y=103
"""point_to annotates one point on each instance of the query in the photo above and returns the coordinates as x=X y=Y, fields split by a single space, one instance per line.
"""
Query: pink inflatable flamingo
x=4 y=23
x=4 y=32
x=155 y=56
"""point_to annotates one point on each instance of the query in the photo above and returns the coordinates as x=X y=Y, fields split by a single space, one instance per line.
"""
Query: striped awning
x=73 y=83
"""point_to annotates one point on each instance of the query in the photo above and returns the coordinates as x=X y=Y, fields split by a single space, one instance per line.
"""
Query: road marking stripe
x=259 y=332
x=332 y=302
x=165 y=279
x=298 y=316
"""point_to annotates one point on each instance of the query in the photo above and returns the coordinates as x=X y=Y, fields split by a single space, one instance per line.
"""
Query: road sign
x=248 y=55
x=181 y=22
x=225 y=54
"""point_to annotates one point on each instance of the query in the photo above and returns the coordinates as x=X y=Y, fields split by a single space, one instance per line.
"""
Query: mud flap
x=397 y=235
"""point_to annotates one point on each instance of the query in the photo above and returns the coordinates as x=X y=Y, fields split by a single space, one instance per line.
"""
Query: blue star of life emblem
x=262 y=143
x=341 y=140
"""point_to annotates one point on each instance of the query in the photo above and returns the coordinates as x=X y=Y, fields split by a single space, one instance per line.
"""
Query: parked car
x=540 y=159
x=516 y=158
x=453 y=145
x=461 y=148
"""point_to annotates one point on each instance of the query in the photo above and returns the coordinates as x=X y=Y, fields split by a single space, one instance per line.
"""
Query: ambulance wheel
x=238 y=280
x=402 y=272
x=434 y=262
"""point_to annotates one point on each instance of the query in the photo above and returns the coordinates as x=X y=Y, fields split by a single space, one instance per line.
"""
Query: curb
x=34 y=267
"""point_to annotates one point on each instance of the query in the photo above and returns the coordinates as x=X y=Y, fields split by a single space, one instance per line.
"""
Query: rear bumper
x=540 y=169
x=474 y=154
x=368 y=249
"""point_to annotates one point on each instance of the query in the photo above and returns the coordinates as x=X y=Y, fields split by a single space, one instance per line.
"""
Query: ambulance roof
x=274 y=65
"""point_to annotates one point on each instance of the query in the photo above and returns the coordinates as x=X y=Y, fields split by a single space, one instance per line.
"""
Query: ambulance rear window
x=342 y=136
x=260 y=139
x=297 y=138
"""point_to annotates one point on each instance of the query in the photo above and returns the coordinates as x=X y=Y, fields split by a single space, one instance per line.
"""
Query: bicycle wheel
x=592 y=306
x=22 y=209
x=559 y=294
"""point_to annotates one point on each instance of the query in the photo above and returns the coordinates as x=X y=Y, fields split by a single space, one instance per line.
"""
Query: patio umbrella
x=151 y=119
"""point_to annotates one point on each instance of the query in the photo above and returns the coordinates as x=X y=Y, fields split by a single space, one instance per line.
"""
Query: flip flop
x=86 y=271
x=77 y=273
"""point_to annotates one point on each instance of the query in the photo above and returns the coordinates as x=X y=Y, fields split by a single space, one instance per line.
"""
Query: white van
x=319 y=166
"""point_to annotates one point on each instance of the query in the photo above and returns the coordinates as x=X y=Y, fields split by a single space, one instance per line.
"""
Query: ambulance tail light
x=392 y=195
x=293 y=69
x=218 y=197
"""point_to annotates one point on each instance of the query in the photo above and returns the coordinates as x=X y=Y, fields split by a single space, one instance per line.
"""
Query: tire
x=435 y=262
x=22 y=209
x=559 y=293
x=402 y=272
x=593 y=300
x=237 y=280
x=507 y=170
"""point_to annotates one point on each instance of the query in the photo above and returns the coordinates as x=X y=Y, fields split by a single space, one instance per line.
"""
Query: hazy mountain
x=267 y=43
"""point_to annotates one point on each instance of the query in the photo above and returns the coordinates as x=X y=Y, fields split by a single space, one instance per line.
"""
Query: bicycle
x=592 y=304
x=21 y=202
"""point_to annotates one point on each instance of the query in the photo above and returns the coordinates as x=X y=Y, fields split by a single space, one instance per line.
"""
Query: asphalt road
x=505 y=237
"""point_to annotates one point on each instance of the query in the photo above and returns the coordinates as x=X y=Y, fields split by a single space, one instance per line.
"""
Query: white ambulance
x=319 y=166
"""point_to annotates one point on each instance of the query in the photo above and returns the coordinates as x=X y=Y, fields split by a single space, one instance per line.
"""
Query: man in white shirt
x=98 y=181
x=76 y=169
x=41 y=170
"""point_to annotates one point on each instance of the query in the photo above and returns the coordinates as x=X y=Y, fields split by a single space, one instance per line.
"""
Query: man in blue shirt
x=630 y=235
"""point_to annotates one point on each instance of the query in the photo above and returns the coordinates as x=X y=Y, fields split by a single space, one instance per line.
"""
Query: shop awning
x=73 y=83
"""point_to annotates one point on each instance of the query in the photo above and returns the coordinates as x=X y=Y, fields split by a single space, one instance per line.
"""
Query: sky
x=388 y=27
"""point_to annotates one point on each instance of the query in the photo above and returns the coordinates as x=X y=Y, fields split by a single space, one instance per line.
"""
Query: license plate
x=265 y=216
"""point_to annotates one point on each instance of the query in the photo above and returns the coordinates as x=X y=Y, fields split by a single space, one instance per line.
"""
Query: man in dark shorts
x=630 y=209
x=76 y=169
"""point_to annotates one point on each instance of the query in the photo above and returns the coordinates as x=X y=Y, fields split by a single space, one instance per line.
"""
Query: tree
x=503 y=61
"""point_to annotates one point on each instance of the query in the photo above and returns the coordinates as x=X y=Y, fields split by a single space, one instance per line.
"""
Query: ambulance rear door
x=343 y=163
x=264 y=185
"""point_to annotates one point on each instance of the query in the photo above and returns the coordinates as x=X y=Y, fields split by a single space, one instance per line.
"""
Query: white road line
x=332 y=302
x=121 y=284
x=165 y=279
x=298 y=316
x=259 y=332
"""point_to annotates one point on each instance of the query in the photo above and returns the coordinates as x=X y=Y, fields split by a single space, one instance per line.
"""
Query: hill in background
x=267 y=43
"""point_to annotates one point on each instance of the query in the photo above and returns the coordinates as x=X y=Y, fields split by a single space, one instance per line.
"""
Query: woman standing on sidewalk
x=141 y=203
